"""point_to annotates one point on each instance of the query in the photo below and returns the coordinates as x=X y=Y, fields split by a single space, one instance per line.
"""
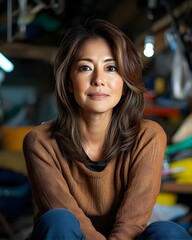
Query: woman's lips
x=98 y=95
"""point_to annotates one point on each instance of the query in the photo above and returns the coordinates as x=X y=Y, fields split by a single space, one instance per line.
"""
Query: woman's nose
x=97 y=79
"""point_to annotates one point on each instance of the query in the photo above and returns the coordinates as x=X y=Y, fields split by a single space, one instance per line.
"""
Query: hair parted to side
x=127 y=115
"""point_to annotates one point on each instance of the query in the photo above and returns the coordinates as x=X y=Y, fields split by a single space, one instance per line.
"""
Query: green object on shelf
x=184 y=144
x=47 y=22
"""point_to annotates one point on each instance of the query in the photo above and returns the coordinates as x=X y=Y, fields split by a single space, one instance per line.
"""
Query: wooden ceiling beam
x=28 y=51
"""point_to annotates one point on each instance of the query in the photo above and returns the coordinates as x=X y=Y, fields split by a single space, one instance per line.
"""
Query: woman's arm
x=144 y=184
x=50 y=190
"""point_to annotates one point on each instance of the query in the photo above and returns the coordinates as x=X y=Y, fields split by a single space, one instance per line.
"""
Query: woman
x=95 y=170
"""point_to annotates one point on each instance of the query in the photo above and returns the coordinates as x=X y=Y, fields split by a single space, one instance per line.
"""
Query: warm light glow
x=5 y=64
x=149 y=46
x=148 y=50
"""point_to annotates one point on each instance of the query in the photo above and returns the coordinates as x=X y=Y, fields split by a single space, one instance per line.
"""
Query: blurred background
x=30 y=33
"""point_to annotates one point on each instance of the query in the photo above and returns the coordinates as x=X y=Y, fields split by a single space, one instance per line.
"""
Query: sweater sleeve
x=49 y=188
x=143 y=186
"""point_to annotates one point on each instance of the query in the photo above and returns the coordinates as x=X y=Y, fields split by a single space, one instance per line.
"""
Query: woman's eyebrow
x=110 y=60
x=91 y=60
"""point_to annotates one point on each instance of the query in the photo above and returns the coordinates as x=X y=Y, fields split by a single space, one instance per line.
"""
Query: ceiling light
x=5 y=64
x=149 y=46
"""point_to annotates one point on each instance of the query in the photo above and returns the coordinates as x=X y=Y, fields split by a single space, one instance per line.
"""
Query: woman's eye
x=84 y=68
x=111 y=68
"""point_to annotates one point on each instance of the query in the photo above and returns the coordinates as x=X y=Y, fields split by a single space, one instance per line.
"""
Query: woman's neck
x=94 y=130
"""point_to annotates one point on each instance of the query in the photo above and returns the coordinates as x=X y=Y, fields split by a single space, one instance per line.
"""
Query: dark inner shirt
x=95 y=166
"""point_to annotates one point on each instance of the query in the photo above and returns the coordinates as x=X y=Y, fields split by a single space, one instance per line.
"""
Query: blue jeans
x=164 y=230
x=60 y=224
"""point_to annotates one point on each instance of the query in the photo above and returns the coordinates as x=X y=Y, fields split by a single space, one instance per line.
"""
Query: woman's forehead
x=94 y=46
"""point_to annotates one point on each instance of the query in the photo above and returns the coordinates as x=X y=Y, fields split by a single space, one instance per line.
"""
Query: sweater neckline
x=95 y=166
x=96 y=174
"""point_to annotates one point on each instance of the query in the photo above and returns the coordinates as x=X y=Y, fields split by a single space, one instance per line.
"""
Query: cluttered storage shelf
x=175 y=199
x=16 y=202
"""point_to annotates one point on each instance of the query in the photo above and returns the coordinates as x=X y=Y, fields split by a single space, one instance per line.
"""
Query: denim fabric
x=57 y=224
x=60 y=224
x=164 y=230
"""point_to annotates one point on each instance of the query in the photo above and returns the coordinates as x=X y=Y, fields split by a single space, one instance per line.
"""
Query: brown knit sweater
x=113 y=204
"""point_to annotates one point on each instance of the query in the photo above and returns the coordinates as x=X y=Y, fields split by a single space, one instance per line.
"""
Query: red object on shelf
x=154 y=110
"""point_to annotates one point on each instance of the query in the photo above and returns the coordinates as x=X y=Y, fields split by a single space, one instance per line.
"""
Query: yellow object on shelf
x=184 y=177
x=12 y=137
x=166 y=198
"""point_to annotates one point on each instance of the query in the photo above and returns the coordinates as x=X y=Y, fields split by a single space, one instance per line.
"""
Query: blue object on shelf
x=15 y=194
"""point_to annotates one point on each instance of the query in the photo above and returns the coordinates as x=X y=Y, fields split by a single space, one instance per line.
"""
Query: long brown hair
x=127 y=115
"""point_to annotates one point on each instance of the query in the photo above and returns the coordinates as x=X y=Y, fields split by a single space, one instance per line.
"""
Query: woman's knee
x=165 y=230
x=57 y=223
x=58 y=216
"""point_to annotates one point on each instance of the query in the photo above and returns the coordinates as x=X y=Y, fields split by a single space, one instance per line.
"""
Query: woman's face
x=94 y=78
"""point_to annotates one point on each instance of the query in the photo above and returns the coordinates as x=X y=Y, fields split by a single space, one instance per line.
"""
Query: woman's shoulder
x=151 y=127
x=151 y=132
x=41 y=131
